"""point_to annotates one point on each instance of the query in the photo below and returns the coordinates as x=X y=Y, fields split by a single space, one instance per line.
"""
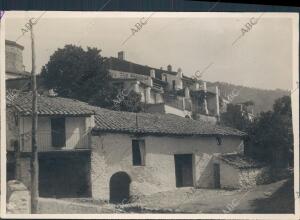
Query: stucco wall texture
x=13 y=59
x=76 y=133
x=112 y=153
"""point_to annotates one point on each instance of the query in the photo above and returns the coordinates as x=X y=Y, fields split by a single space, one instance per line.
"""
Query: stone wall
x=112 y=153
x=18 y=198
x=235 y=178
x=255 y=176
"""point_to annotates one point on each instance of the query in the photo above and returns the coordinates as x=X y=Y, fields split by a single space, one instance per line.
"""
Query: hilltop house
x=15 y=74
x=167 y=91
x=91 y=151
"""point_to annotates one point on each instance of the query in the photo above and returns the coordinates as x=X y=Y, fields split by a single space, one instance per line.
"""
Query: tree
x=75 y=73
x=235 y=118
x=131 y=102
x=272 y=137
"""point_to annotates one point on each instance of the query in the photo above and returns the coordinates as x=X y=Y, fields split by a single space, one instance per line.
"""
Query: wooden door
x=184 y=170
x=216 y=171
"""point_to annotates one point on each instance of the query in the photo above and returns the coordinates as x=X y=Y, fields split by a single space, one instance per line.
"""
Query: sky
x=262 y=57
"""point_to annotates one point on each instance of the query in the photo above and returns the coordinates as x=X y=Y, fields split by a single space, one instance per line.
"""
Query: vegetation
x=262 y=98
x=270 y=136
x=75 y=73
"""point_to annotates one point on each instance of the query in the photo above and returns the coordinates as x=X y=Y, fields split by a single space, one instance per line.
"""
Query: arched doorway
x=119 y=187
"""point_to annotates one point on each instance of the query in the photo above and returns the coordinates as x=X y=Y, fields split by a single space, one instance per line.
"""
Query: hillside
x=263 y=99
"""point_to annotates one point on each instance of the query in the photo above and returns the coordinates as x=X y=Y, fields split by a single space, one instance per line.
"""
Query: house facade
x=15 y=74
x=166 y=91
x=14 y=61
x=63 y=141
x=87 y=151
x=140 y=154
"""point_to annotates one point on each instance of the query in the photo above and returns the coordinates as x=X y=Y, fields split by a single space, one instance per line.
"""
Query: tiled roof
x=47 y=105
x=241 y=161
x=157 y=124
x=117 y=121
x=126 y=66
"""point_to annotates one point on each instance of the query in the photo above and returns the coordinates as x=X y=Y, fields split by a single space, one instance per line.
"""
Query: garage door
x=64 y=174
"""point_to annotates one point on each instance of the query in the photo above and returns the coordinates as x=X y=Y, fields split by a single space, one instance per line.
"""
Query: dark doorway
x=217 y=184
x=64 y=174
x=58 y=132
x=184 y=170
x=10 y=171
x=119 y=187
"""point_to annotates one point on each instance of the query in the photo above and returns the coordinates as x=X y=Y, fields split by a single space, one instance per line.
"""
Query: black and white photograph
x=185 y=114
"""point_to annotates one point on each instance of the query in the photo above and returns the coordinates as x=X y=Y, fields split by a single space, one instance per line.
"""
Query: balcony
x=45 y=141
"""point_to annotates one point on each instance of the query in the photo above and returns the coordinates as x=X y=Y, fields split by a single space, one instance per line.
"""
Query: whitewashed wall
x=76 y=133
x=111 y=153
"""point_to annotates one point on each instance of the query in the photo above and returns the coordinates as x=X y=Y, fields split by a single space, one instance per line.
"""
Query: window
x=58 y=132
x=138 y=152
x=173 y=84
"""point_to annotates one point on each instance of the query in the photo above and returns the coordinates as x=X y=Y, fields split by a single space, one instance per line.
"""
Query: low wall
x=252 y=177
x=237 y=178
x=18 y=198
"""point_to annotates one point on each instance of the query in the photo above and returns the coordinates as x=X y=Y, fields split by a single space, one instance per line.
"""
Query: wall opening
x=64 y=175
x=217 y=183
x=184 y=170
x=58 y=132
x=138 y=152
x=119 y=187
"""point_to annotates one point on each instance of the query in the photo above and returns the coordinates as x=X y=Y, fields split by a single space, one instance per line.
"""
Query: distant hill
x=263 y=99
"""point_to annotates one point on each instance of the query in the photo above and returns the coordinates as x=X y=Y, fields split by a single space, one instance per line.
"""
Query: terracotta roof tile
x=47 y=105
x=117 y=121
x=157 y=124
x=241 y=161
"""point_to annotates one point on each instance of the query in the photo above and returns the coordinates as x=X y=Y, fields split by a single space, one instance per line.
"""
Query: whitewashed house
x=63 y=141
x=94 y=152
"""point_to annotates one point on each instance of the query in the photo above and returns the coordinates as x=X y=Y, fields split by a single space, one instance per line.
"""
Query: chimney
x=121 y=55
x=152 y=73
x=205 y=101
x=169 y=68
x=217 y=103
